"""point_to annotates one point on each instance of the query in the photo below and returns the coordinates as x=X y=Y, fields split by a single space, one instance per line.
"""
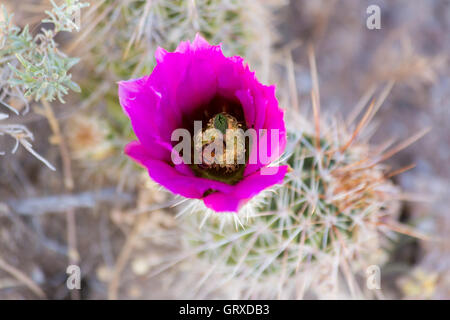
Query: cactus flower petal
x=195 y=81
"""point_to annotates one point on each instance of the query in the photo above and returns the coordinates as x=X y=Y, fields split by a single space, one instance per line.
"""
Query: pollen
x=222 y=143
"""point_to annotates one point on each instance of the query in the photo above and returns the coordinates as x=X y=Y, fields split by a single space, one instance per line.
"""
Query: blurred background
x=98 y=210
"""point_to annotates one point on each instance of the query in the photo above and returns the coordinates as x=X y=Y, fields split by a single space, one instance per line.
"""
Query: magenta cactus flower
x=198 y=83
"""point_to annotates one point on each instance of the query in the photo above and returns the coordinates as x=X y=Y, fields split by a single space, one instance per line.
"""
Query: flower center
x=222 y=144
x=220 y=150
x=223 y=148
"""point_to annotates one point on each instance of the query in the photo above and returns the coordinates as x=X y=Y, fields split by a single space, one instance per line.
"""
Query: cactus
x=327 y=216
x=140 y=27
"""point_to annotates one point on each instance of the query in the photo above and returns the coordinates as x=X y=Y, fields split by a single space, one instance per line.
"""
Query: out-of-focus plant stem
x=57 y=138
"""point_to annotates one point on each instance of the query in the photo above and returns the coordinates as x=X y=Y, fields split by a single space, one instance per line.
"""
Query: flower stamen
x=222 y=144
